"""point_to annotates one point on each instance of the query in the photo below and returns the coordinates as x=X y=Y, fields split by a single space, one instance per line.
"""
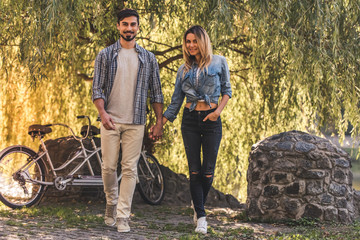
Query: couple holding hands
x=125 y=75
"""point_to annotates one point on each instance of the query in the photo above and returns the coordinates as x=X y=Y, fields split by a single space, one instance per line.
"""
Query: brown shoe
x=110 y=215
x=123 y=225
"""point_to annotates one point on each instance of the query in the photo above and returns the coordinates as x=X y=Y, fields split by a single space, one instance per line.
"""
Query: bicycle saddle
x=92 y=132
x=39 y=129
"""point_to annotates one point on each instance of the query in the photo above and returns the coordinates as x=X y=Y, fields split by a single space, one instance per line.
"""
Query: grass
x=223 y=225
x=64 y=216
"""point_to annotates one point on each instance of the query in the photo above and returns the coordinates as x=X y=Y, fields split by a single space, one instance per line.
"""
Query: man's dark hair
x=127 y=12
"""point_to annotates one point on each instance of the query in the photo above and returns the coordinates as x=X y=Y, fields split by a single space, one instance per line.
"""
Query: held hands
x=156 y=131
x=212 y=116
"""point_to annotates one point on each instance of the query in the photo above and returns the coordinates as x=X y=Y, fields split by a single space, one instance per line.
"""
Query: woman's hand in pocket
x=212 y=116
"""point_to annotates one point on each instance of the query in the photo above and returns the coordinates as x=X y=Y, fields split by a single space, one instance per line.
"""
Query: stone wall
x=295 y=175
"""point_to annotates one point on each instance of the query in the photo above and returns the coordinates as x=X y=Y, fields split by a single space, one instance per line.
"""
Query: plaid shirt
x=148 y=79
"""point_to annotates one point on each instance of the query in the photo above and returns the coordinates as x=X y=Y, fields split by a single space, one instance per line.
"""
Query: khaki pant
x=131 y=137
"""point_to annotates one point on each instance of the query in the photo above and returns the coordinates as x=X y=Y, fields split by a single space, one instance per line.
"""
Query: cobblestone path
x=147 y=222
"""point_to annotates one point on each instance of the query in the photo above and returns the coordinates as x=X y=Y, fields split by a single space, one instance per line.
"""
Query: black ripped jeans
x=199 y=135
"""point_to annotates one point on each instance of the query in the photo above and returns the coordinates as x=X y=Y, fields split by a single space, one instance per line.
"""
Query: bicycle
x=26 y=174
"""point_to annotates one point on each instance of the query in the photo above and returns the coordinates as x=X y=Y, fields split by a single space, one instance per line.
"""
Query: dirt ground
x=147 y=222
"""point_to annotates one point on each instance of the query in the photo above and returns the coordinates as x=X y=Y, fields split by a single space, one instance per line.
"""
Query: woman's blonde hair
x=204 y=45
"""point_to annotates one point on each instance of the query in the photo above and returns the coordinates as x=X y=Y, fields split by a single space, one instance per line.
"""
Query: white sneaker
x=195 y=215
x=201 y=225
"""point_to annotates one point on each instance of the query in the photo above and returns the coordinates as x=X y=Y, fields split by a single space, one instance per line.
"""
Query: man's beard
x=129 y=38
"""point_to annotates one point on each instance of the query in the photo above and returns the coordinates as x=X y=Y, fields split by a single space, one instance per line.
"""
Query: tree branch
x=240 y=51
x=162 y=53
x=148 y=39
x=240 y=70
x=170 y=60
x=84 y=76
x=170 y=69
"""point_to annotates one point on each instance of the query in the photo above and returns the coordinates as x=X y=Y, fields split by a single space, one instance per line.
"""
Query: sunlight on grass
x=73 y=216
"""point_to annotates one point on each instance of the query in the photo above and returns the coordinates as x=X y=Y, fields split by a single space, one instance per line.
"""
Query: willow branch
x=170 y=60
x=240 y=70
x=162 y=53
x=84 y=76
x=170 y=69
x=148 y=39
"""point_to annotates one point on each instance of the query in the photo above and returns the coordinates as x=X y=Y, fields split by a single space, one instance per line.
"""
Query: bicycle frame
x=82 y=152
x=37 y=168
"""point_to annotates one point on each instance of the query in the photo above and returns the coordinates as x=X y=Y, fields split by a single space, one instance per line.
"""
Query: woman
x=201 y=79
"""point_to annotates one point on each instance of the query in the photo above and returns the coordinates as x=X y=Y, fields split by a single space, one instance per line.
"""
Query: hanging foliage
x=294 y=65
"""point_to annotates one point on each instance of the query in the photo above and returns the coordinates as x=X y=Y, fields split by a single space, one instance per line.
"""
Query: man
x=124 y=72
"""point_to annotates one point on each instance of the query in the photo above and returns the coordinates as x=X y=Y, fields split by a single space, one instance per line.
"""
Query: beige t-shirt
x=121 y=100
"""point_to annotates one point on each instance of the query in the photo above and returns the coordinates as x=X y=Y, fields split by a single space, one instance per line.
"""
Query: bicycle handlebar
x=72 y=131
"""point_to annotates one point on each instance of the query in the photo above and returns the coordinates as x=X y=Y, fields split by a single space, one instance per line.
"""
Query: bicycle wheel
x=151 y=184
x=15 y=190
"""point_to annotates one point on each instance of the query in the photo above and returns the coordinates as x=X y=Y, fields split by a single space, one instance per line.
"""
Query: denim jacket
x=207 y=86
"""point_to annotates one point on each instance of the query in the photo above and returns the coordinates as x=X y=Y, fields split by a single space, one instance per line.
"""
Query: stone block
x=281 y=177
x=306 y=164
x=337 y=189
x=330 y=214
x=266 y=146
x=327 y=146
x=312 y=174
x=291 y=206
x=262 y=163
x=284 y=164
x=326 y=199
x=271 y=191
x=341 y=162
x=284 y=146
x=314 y=187
x=289 y=138
x=253 y=210
x=340 y=176
x=344 y=216
x=312 y=211
x=341 y=203
x=295 y=189
x=267 y=204
x=342 y=152
x=324 y=163
x=314 y=155
x=258 y=155
x=254 y=176
x=307 y=138
x=333 y=155
x=275 y=155
x=304 y=147
x=254 y=191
